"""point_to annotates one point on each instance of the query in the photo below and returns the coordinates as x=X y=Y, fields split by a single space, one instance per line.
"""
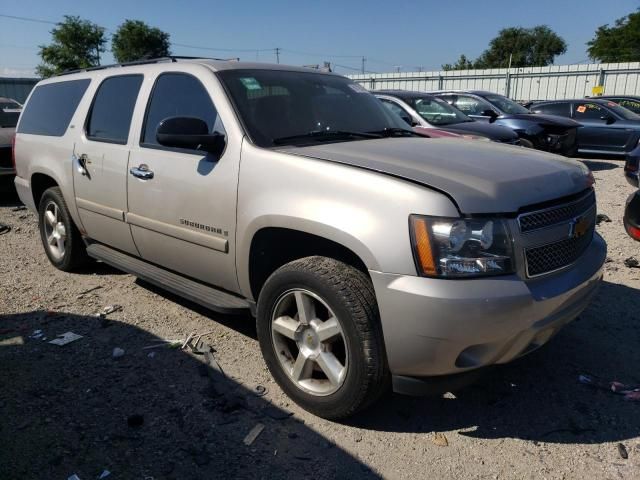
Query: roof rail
x=170 y=58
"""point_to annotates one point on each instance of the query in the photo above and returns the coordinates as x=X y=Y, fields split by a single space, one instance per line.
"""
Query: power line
x=27 y=19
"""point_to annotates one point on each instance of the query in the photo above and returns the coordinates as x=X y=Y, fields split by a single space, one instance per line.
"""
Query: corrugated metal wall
x=532 y=83
x=17 y=88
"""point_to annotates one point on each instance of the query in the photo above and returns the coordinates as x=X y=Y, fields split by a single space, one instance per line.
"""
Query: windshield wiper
x=396 y=132
x=326 y=134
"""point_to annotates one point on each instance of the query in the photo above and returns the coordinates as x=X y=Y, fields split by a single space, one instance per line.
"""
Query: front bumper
x=442 y=327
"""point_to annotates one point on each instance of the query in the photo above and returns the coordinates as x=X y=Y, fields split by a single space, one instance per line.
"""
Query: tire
x=332 y=289
x=526 y=143
x=60 y=238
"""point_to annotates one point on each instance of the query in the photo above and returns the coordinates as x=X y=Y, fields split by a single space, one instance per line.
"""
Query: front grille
x=555 y=215
x=555 y=256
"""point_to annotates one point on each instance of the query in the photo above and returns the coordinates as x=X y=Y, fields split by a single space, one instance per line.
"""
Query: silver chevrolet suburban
x=370 y=256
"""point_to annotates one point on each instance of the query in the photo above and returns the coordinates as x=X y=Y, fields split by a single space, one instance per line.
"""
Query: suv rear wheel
x=320 y=335
x=60 y=237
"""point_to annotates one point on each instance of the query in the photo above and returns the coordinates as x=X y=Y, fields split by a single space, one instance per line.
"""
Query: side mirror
x=489 y=113
x=608 y=119
x=190 y=133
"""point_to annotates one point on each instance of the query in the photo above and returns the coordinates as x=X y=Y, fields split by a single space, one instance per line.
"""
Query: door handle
x=81 y=164
x=141 y=171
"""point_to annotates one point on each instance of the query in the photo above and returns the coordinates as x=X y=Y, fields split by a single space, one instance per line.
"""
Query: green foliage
x=527 y=47
x=619 y=43
x=76 y=44
x=463 y=63
x=135 y=40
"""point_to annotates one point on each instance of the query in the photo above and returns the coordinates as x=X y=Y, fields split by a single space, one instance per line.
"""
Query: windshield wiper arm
x=326 y=134
x=397 y=132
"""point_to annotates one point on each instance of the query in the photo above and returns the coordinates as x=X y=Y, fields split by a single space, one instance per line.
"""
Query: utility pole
x=363 y=62
x=277 y=55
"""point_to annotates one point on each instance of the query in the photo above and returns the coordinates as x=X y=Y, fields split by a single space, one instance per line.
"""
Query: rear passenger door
x=183 y=215
x=100 y=162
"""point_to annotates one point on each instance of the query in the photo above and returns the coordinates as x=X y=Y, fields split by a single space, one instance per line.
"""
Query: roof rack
x=170 y=58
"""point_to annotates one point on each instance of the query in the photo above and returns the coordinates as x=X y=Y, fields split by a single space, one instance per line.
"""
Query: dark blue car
x=544 y=132
x=607 y=129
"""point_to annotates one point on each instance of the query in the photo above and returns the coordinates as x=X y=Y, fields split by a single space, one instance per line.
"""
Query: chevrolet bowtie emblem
x=578 y=227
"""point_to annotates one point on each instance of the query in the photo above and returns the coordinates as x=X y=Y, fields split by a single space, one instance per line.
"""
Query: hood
x=481 y=177
x=544 y=120
x=494 y=132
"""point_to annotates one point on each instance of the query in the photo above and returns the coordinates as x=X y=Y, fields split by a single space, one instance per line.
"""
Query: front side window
x=279 y=107
x=110 y=116
x=51 y=107
x=437 y=111
x=506 y=104
x=397 y=110
x=471 y=105
x=628 y=103
x=178 y=95
x=589 y=111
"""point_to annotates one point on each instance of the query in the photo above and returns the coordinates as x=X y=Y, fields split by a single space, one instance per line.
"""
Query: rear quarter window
x=560 y=109
x=51 y=107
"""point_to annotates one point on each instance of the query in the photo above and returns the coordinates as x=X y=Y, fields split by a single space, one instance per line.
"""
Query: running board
x=209 y=297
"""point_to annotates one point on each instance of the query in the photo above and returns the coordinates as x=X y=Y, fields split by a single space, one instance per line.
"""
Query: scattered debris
x=4 y=228
x=622 y=450
x=19 y=208
x=449 y=396
x=104 y=474
x=253 y=434
x=117 y=352
x=440 y=439
x=632 y=262
x=109 y=309
x=8 y=342
x=135 y=420
x=151 y=354
x=91 y=290
x=260 y=391
x=602 y=218
x=164 y=343
x=65 y=338
x=74 y=477
x=36 y=335
x=630 y=392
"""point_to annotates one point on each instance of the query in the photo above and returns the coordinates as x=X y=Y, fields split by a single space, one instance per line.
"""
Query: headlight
x=459 y=247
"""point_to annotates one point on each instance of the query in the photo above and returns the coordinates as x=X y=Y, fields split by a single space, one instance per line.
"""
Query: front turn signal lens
x=422 y=245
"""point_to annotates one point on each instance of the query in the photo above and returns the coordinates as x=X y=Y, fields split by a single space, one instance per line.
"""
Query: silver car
x=371 y=257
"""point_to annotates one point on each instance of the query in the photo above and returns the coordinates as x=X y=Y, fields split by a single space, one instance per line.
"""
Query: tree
x=463 y=63
x=526 y=47
x=135 y=40
x=76 y=44
x=620 y=43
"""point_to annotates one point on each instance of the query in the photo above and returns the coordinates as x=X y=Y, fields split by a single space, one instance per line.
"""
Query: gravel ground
x=76 y=409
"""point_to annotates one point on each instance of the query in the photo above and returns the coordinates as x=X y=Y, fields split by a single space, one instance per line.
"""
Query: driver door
x=182 y=203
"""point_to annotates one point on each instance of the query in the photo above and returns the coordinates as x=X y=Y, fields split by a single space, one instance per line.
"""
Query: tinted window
x=624 y=112
x=506 y=104
x=561 y=109
x=178 y=95
x=112 y=108
x=51 y=107
x=276 y=105
x=588 y=111
x=438 y=112
x=9 y=113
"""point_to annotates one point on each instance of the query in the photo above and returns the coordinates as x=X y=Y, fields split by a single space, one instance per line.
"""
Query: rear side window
x=178 y=95
x=110 y=116
x=51 y=107
x=560 y=109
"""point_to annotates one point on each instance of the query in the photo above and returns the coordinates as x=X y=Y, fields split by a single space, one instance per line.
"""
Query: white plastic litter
x=65 y=338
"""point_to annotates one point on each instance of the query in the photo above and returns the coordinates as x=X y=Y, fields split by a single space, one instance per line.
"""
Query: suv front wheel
x=60 y=237
x=320 y=334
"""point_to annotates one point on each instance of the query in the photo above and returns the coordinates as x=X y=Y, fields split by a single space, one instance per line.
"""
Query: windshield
x=280 y=107
x=437 y=111
x=623 y=112
x=505 y=104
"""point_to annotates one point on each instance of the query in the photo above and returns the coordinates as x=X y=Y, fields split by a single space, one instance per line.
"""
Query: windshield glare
x=506 y=104
x=438 y=112
x=276 y=104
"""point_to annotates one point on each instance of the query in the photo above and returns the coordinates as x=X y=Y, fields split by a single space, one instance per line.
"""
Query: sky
x=403 y=35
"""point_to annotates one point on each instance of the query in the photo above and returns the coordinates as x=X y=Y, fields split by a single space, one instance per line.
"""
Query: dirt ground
x=166 y=413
